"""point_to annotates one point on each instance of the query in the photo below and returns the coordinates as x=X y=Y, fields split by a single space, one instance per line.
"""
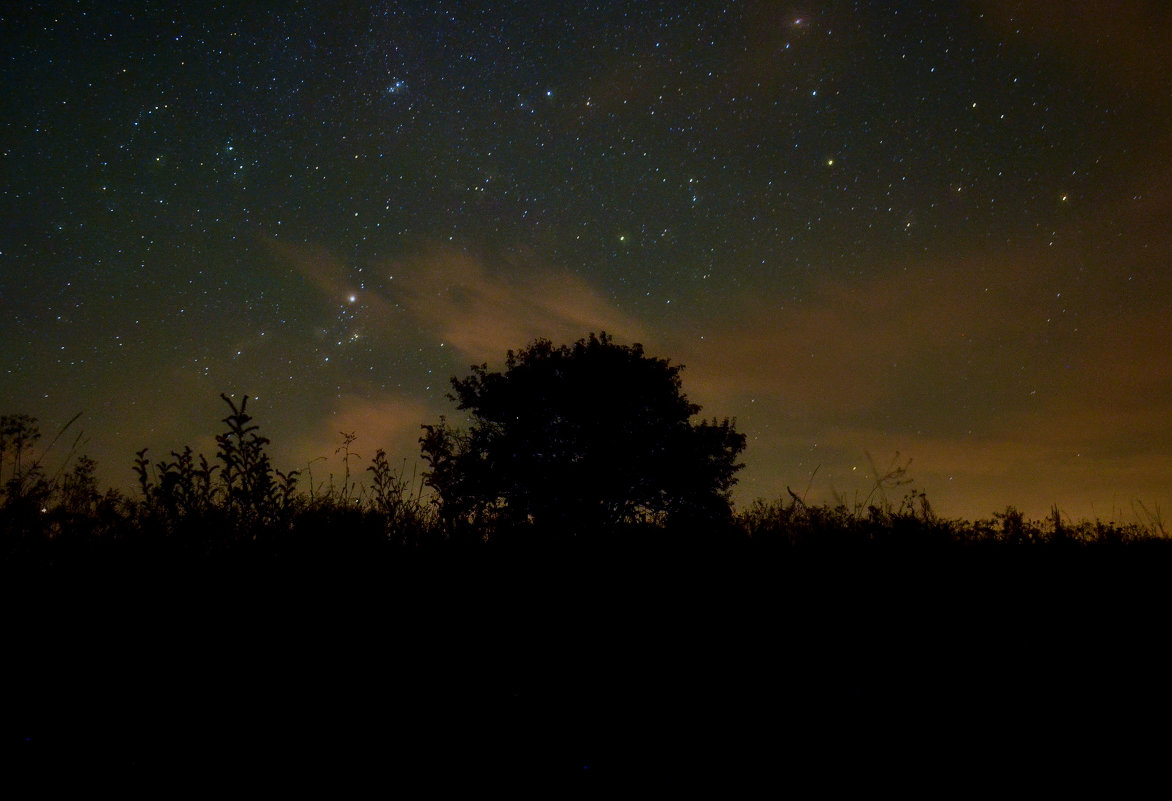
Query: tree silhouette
x=580 y=438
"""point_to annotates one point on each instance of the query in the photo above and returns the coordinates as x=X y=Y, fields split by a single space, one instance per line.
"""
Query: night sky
x=940 y=229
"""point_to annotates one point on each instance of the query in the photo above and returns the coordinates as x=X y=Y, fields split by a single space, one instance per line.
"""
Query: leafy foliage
x=578 y=438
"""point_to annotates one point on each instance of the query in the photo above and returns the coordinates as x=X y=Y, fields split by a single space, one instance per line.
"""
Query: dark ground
x=1029 y=667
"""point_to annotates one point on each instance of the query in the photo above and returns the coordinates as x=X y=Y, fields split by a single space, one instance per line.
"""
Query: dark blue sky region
x=864 y=227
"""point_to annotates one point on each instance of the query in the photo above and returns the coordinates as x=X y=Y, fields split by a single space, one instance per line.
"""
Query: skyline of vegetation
x=238 y=494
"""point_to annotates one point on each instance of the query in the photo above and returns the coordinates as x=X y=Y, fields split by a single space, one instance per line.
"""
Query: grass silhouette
x=193 y=505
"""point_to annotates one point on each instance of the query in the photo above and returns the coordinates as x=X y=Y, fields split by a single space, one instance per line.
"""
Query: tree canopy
x=581 y=437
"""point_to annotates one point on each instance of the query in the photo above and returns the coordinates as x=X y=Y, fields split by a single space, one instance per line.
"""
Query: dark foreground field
x=918 y=670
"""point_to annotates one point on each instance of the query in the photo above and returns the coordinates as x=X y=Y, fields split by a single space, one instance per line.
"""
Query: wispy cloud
x=1008 y=378
x=483 y=313
x=846 y=349
x=451 y=296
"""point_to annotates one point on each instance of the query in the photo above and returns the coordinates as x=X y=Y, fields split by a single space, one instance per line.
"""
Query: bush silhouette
x=580 y=438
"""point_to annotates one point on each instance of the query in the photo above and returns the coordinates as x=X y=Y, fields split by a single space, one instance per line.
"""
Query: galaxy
x=937 y=230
